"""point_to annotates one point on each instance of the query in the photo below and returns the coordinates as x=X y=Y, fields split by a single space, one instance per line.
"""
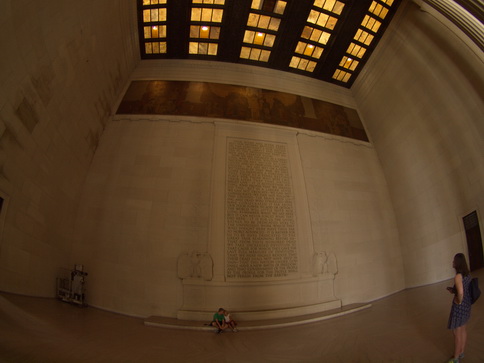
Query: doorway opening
x=474 y=241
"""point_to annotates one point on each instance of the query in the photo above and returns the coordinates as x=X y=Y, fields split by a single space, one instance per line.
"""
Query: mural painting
x=241 y=103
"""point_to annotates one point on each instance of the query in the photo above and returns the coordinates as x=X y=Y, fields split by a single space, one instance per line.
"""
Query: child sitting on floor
x=228 y=320
x=219 y=320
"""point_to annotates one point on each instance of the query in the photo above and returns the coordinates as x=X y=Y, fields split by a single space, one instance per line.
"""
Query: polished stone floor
x=409 y=326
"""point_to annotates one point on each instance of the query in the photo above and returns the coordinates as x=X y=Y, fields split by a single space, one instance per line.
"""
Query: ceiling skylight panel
x=206 y=18
x=303 y=64
x=342 y=76
x=309 y=50
x=364 y=36
x=316 y=35
x=213 y=2
x=154 y=27
x=204 y=32
x=153 y=2
x=269 y=6
x=348 y=63
x=371 y=23
x=255 y=54
x=321 y=21
x=203 y=48
x=207 y=15
x=257 y=31
x=259 y=38
x=263 y=22
x=332 y=6
x=356 y=50
x=378 y=10
x=262 y=26
x=154 y=15
x=388 y=2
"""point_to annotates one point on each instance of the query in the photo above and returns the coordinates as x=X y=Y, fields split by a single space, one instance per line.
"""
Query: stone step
x=266 y=314
x=162 y=322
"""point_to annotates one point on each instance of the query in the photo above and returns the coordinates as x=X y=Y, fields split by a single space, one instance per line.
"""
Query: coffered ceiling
x=329 y=40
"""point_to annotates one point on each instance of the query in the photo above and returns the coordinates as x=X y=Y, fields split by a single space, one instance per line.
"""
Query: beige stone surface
x=62 y=66
x=145 y=202
x=351 y=214
x=156 y=191
x=420 y=97
x=409 y=326
x=126 y=197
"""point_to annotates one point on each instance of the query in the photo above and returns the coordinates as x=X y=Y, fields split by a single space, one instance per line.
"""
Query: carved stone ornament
x=195 y=265
x=324 y=263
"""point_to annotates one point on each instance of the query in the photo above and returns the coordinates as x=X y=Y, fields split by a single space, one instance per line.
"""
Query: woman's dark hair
x=460 y=264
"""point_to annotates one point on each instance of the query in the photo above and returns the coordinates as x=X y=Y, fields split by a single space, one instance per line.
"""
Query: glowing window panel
x=356 y=50
x=302 y=64
x=342 y=76
x=267 y=24
x=280 y=7
x=257 y=4
x=330 y=5
x=309 y=50
x=259 y=38
x=349 y=63
x=315 y=35
x=204 y=32
x=154 y=15
x=388 y=2
x=363 y=37
x=155 y=31
x=207 y=15
x=371 y=23
x=378 y=10
x=214 y=2
x=155 y=47
x=322 y=19
x=276 y=7
x=245 y=52
x=255 y=54
x=203 y=48
x=153 y=2
x=263 y=22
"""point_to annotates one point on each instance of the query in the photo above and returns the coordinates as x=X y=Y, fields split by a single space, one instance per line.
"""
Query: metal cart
x=71 y=285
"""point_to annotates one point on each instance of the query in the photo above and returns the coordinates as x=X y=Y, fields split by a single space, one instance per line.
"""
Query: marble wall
x=352 y=215
x=133 y=236
x=420 y=97
x=63 y=64
x=156 y=192
x=126 y=196
x=146 y=200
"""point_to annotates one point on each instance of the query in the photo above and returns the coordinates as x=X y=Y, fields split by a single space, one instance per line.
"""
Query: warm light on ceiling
x=263 y=26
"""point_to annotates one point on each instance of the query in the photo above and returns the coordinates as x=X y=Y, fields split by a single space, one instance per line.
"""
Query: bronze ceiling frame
x=294 y=19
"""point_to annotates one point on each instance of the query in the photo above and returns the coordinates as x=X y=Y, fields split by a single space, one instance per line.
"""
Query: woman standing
x=461 y=306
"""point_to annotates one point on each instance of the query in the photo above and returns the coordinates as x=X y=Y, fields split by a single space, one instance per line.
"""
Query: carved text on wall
x=260 y=216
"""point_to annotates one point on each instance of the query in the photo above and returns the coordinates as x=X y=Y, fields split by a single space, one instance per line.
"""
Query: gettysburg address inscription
x=261 y=228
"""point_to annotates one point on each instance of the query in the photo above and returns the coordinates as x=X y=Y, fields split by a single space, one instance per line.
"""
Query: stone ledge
x=264 y=314
x=173 y=323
